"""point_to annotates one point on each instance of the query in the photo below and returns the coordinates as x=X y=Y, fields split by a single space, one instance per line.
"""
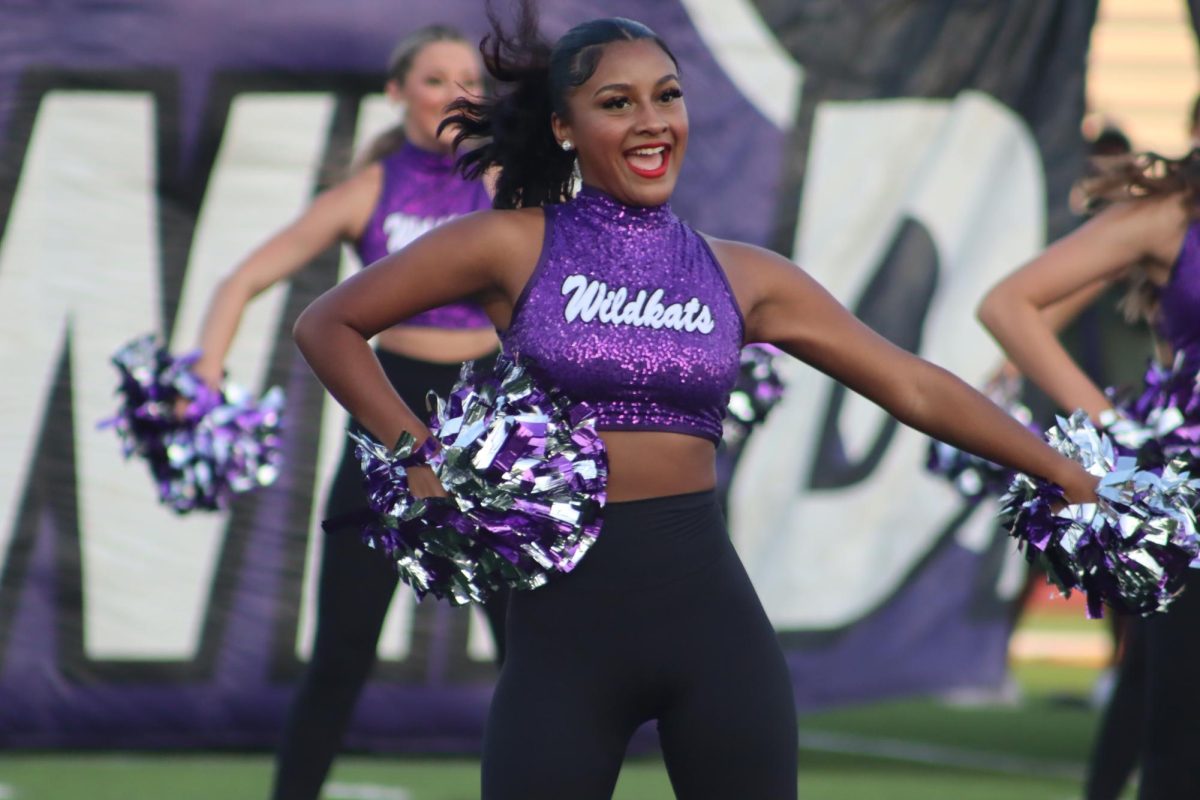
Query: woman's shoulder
x=754 y=273
x=345 y=207
x=506 y=223
x=743 y=257
x=1170 y=209
x=361 y=186
x=498 y=236
x=1159 y=222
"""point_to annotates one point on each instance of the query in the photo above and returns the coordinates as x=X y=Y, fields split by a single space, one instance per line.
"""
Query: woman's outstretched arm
x=786 y=307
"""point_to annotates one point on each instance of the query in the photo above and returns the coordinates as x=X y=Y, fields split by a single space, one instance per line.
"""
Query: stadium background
x=905 y=154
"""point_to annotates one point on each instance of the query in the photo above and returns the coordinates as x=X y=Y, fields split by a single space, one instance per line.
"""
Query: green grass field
x=1031 y=749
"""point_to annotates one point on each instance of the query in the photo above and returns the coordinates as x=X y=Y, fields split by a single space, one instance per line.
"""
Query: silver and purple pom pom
x=1163 y=422
x=1129 y=550
x=525 y=472
x=202 y=446
x=974 y=477
x=759 y=389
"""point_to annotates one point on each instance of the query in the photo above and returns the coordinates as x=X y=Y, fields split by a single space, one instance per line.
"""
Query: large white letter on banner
x=80 y=255
x=763 y=71
x=375 y=116
x=968 y=172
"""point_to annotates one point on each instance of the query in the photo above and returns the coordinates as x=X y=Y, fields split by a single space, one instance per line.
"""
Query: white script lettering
x=593 y=300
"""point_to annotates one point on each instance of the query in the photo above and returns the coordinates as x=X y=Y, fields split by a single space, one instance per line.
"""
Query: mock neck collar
x=600 y=205
x=427 y=159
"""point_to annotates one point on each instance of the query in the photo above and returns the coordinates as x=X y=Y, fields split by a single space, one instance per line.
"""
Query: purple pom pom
x=1130 y=550
x=974 y=476
x=202 y=446
x=758 y=390
x=525 y=471
x=1163 y=422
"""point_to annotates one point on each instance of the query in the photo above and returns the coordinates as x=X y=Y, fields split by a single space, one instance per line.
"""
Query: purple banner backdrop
x=147 y=145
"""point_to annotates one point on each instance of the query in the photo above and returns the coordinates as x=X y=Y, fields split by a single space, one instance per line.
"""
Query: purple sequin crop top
x=1179 y=301
x=420 y=191
x=629 y=311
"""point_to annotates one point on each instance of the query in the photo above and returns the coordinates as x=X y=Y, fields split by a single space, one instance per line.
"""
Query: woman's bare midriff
x=643 y=464
x=438 y=345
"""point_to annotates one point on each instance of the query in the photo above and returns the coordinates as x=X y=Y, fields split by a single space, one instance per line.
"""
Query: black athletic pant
x=658 y=621
x=354 y=591
x=1116 y=748
x=1153 y=717
x=1171 y=728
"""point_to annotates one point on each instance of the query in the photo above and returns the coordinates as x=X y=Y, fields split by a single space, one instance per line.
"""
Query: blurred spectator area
x=1143 y=71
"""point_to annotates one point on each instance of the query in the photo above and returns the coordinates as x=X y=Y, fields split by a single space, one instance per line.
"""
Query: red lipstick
x=640 y=158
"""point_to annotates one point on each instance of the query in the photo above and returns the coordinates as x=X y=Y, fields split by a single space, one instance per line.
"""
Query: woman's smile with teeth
x=650 y=161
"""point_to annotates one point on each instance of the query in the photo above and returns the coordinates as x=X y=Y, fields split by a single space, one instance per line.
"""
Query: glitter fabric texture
x=629 y=311
x=420 y=191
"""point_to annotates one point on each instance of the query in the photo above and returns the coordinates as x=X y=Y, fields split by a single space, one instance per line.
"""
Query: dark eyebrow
x=670 y=76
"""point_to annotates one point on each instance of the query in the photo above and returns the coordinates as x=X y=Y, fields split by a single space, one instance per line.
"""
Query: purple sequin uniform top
x=1179 y=300
x=628 y=311
x=420 y=191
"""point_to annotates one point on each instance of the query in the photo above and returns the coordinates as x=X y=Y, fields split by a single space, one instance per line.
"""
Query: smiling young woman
x=630 y=133
x=404 y=184
x=611 y=297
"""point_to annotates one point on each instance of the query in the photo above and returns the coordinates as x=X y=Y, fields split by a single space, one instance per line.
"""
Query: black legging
x=658 y=621
x=354 y=592
x=1155 y=704
x=1115 y=749
x=1171 y=728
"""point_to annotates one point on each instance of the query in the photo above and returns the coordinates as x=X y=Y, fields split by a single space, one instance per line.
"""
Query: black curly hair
x=535 y=78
